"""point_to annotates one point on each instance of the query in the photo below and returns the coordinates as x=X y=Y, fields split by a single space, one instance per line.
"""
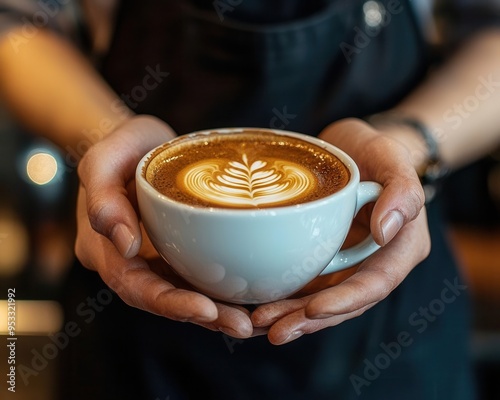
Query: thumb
x=387 y=161
x=107 y=173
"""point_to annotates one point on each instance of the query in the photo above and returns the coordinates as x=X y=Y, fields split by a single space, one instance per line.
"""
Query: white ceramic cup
x=254 y=256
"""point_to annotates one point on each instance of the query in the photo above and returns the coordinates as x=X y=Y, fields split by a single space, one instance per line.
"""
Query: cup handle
x=367 y=193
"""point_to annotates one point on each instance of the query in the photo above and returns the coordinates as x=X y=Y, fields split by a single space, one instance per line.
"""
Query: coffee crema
x=248 y=169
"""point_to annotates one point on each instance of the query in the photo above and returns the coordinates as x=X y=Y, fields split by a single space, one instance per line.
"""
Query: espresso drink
x=251 y=169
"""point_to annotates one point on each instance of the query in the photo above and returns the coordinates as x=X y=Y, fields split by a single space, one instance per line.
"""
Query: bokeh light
x=41 y=168
x=33 y=317
x=373 y=11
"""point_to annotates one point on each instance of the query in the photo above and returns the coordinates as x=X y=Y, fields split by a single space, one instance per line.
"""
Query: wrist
x=419 y=141
x=411 y=140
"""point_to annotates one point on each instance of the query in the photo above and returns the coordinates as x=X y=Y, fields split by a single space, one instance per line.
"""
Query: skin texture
x=110 y=239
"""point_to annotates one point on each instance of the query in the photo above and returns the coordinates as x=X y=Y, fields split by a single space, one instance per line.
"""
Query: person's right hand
x=111 y=241
x=397 y=222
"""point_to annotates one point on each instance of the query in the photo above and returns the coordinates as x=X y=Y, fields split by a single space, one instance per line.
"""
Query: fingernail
x=228 y=331
x=320 y=316
x=294 y=335
x=123 y=240
x=391 y=224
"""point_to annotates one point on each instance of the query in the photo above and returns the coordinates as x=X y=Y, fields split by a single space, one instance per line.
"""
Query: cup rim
x=342 y=155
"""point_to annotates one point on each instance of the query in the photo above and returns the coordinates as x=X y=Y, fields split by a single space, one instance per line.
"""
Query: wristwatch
x=434 y=170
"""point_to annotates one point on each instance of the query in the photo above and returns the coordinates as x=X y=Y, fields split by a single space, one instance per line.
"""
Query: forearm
x=56 y=92
x=460 y=103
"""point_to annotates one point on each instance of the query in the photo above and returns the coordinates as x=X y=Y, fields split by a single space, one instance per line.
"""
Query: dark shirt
x=295 y=65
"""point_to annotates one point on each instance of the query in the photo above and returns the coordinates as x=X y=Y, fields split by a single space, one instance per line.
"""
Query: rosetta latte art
x=249 y=184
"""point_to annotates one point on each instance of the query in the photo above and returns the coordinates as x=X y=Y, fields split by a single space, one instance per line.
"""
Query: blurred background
x=37 y=230
x=36 y=250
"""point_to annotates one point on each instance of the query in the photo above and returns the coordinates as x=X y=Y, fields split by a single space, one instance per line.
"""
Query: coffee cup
x=250 y=215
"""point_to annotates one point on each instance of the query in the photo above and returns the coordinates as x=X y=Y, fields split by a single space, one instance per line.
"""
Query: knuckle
x=362 y=296
x=382 y=283
x=426 y=246
x=360 y=311
x=388 y=282
x=416 y=197
x=125 y=296
x=81 y=254
x=118 y=280
x=383 y=146
x=112 y=278
x=426 y=252
x=96 y=211
x=85 y=163
x=89 y=162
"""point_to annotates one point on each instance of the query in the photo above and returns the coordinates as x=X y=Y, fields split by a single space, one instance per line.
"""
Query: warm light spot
x=41 y=168
x=14 y=245
x=32 y=317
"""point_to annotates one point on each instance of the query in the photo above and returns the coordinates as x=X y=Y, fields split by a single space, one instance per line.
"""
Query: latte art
x=253 y=169
x=246 y=183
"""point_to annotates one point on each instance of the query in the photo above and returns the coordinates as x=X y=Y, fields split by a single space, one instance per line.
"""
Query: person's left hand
x=398 y=223
x=111 y=239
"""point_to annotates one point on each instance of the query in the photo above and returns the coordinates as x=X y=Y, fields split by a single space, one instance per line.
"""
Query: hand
x=398 y=223
x=110 y=239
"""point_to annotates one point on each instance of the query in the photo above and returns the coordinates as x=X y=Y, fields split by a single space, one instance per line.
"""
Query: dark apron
x=299 y=75
x=307 y=73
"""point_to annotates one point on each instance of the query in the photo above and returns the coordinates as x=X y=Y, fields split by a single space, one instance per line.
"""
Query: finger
x=402 y=198
x=268 y=314
x=259 y=332
x=288 y=321
x=150 y=287
x=384 y=160
x=375 y=279
x=105 y=172
x=136 y=284
x=294 y=325
x=161 y=297
x=401 y=201
x=377 y=276
x=232 y=320
x=139 y=287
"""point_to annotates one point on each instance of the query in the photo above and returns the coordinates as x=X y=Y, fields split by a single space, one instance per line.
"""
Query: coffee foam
x=246 y=183
x=245 y=170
